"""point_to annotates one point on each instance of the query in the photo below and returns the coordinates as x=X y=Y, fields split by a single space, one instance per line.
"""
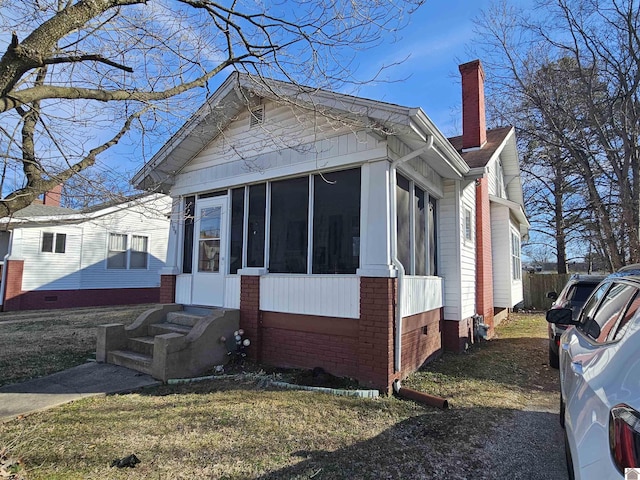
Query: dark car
x=572 y=296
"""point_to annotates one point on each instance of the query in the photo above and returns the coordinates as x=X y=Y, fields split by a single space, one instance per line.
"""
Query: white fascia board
x=423 y=125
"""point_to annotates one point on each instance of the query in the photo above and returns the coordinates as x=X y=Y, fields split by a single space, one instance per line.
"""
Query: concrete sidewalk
x=88 y=380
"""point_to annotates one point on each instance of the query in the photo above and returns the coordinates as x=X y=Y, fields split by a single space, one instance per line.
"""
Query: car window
x=619 y=330
x=590 y=306
x=609 y=311
x=582 y=291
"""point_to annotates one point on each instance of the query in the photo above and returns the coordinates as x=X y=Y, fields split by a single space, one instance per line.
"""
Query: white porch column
x=375 y=231
x=174 y=250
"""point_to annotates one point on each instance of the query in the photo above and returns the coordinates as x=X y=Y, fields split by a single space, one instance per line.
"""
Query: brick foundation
x=362 y=348
x=48 y=299
x=250 y=314
x=375 y=332
x=458 y=335
x=168 y=288
x=421 y=340
x=13 y=285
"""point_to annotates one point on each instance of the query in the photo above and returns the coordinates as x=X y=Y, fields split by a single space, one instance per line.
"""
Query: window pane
x=432 y=268
x=289 y=233
x=187 y=246
x=209 y=223
x=209 y=255
x=403 y=202
x=47 y=242
x=336 y=222
x=117 y=256
x=61 y=242
x=420 y=221
x=255 y=237
x=609 y=311
x=138 y=255
x=621 y=328
x=117 y=260
x=237 y=224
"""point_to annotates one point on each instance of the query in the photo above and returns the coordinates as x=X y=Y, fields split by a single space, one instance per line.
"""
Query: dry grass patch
x=226 y=429
x=41 y=342
x=511 y=371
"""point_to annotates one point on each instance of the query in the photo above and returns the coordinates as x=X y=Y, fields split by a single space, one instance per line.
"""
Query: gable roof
x=478 y=158
x=239 y=90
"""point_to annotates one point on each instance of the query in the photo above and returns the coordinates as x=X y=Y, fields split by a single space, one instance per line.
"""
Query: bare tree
x=78 y=76
x=572 y=65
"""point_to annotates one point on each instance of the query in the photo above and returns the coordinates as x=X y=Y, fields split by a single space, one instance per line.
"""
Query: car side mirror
x=552 y=295
x=561 y=316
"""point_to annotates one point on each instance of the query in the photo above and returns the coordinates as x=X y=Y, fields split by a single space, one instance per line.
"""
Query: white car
x=600 y=380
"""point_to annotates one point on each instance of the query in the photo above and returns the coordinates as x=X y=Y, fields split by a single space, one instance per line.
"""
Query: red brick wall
x=376 y=329
x=298 y=349
x=167 y=288
x=457 y=334
x=250 y=314
x=421 y=339
x=46 y=299
x=13 y=286
x=484 y=266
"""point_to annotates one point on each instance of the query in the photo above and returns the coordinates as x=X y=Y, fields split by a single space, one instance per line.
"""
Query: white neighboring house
x=109 y=254
x=351 y=234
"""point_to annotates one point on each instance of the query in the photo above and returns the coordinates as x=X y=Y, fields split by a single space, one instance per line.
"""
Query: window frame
x=516 y=256
x=55 y=242
x=128 y=251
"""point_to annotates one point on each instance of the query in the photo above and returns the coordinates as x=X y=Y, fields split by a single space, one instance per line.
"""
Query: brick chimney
x=52 y=197
x=474 y=122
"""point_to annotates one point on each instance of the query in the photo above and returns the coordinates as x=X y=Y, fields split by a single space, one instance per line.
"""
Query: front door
x=209 y=249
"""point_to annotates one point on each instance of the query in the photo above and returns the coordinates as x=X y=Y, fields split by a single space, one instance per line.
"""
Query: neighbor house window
x=126 y=252
x=117 y=255
x=54 y=242
x=516 y=265
x=138 y=255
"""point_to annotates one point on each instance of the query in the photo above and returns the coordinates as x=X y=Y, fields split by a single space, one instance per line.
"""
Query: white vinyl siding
x=468 y=253
x=84 y=264
x=449 y=266
x=324 y=295
x=285 y=144
x=45 y=270
x=507 y=292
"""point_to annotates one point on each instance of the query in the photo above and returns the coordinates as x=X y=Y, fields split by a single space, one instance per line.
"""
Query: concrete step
x=187 y=319
x=142 y=345
x=162 y=328
x=133 y=360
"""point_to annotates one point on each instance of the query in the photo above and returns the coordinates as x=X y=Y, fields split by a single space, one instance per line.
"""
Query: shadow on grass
x=490 y=444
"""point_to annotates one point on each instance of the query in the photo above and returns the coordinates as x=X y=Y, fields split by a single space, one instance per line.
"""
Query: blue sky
x=436 y=40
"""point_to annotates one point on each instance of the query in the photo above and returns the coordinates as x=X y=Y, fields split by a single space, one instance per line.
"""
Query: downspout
x=393 y=211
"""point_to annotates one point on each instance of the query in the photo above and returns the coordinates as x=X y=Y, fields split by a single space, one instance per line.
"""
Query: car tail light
x=624 y=437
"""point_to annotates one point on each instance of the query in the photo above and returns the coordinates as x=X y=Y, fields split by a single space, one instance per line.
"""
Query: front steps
x=169 y=341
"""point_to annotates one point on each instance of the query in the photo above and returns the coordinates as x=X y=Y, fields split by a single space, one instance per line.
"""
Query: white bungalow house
x=350 y=233
x=110 y=254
